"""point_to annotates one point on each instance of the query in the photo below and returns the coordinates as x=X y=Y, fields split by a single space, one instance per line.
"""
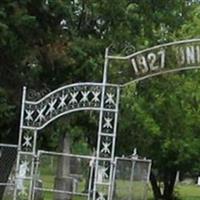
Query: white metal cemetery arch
x=102 y=97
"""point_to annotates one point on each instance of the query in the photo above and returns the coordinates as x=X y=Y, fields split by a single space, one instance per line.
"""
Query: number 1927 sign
x=165 y=58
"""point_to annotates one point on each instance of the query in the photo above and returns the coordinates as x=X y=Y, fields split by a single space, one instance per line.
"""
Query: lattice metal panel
x=131 y=179
x=63 y=176
x=35 y=115
x=8 y=155
x=76 y=97
x=106 y=143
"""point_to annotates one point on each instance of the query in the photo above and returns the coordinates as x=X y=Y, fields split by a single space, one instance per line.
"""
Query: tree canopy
x=46 y=44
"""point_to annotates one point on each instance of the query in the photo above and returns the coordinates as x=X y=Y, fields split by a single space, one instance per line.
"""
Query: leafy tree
x=8 y=156
x=163 y=118
x=45 y=44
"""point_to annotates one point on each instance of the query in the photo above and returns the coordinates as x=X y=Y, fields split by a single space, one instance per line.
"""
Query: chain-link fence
x=62 y=176
x=131 y=179
x=8 y=154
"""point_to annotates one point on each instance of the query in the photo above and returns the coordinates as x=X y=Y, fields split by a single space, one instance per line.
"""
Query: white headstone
x=177 y=177
x=198 y=181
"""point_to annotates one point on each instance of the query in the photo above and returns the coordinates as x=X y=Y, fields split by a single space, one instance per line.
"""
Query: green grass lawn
x=189 y=192
x=185 y=192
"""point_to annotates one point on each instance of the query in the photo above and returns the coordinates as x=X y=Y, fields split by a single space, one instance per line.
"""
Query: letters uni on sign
x=189 y=55
x=154 y=61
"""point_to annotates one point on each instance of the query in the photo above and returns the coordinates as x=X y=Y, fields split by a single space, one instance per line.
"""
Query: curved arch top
x=67 y=99
x=161 y=59
x=181 y=42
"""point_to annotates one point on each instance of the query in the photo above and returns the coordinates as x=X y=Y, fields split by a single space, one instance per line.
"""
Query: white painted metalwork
x=159 y=73
x=86 y=161
x=64 y=100
x=153 y=48
x=76 y=97
x=101 y=97
x=8 y=145
x=128 y=173
x=157 y=60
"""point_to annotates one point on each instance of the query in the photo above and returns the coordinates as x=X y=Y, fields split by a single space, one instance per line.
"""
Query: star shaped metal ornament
x=96 y=96
x=73 y=99
x=29 y=114
x=85 y=96
x=104 y=174
x=40 y=116
x=62 y=101
x=51 y=106
x=101 y=196
x=107 y=123
x=106 y=146
x=27 y=142
x=110 y=99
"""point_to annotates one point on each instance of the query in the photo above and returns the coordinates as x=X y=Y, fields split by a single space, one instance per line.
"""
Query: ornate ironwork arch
x=36 y=115
x=64 y=100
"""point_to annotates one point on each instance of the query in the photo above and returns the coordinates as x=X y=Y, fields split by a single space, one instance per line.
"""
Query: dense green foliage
x=163 y=118
x=46 y=44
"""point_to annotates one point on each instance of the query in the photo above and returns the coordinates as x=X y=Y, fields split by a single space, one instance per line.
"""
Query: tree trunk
x=155 y=187
x=63 y=181
x=7 y=159
x=169 y=183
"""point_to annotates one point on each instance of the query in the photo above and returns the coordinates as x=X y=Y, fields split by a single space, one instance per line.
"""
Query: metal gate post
x=19 y=141
x=25 y=156
x=106 y=138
